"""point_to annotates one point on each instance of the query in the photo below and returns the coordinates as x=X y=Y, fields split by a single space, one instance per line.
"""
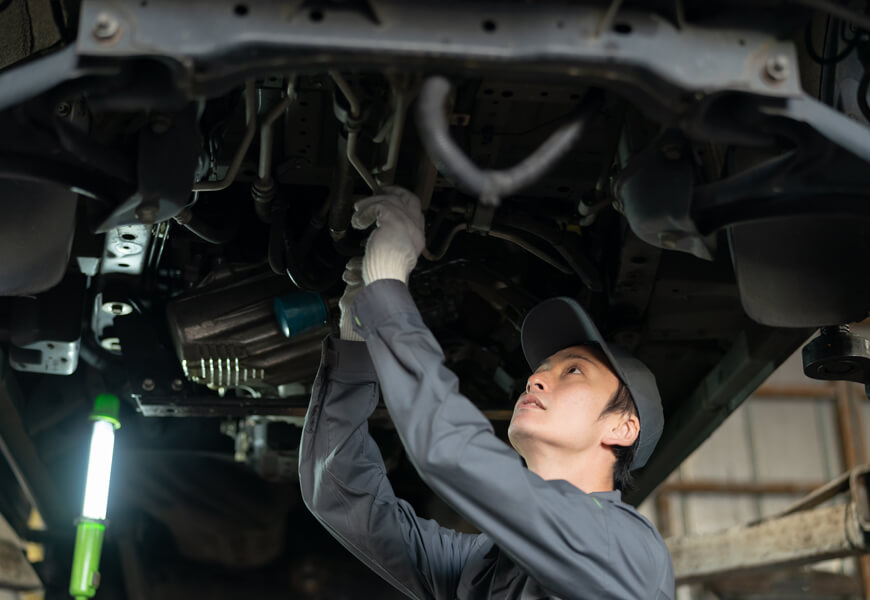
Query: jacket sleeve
x=556 y=533
x=344 y=483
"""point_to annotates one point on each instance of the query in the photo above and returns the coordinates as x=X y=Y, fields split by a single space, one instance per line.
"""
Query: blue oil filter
x=298 y=312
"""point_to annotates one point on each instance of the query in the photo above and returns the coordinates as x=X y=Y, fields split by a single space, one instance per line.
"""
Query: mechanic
x=553 y=528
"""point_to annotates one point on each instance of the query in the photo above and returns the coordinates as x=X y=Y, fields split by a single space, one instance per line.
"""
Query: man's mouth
x=531 y=401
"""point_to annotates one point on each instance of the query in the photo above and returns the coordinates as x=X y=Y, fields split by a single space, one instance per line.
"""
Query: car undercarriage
x=176 y=187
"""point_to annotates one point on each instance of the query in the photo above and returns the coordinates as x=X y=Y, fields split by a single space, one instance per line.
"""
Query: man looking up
x=552 y=528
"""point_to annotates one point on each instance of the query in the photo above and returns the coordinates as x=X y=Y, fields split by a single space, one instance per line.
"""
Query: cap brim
x=555 y=324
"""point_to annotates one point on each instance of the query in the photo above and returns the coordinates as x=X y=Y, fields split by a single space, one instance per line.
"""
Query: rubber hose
x=341 y=194
x=209 y=233
x=491 y=186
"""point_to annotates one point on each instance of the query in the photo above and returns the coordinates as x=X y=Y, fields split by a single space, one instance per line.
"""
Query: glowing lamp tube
x=99 y=471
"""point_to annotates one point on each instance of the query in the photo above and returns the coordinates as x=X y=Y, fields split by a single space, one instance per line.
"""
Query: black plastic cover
x=37 y=223
x=803 y=271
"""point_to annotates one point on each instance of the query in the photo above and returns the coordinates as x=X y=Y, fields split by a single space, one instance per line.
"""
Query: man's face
x=563 y=402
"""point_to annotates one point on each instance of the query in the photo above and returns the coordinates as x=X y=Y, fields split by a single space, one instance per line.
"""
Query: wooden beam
x=20 y=453
x=663 y=514
x=738 y=487
x=800 y=538
x=15 y=572
x=795 y=391
x=788 y=583
x=851 y=458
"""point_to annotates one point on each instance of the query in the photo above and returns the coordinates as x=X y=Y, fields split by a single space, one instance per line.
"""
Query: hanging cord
x=831 y=60
x=845 y=13
x=492 y=186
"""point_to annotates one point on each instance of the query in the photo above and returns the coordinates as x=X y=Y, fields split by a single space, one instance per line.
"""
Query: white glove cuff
x=386 y=265
x=346 y=331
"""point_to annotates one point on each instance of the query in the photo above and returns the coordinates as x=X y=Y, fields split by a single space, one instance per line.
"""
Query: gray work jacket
x=542 y=539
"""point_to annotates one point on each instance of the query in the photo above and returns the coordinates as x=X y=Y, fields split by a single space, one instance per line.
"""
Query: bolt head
x=776 y=68
x=63 y=109
x=111 y=343
x=160 y=125
x=672 y=151
x=106 y=27
x=148 y=384
x=117 y=308
x=147 y=213
x=669 y=239
x=177 y=385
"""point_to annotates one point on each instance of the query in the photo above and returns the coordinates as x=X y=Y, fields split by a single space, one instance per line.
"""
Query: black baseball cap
x=559 y=323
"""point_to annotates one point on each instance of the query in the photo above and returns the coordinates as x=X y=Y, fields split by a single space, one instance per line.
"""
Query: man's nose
x=536 y=382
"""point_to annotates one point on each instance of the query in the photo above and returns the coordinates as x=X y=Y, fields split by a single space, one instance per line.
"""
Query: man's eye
x=575 y=370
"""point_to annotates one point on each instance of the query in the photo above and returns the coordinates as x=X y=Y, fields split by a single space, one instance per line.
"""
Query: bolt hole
x=128 y=236
x=143 y=3
x=544 y=94
x=50 y=346
x=302 y=132
x=622 y=28
x=488 y=92
x=507 y=94
x=574 y=97
x=489 y=26
x=63 y=359
x=675 y=291
x=560 y=24
x=316 y=15
x=240 y=10
x=123 y=265
x=741 y=42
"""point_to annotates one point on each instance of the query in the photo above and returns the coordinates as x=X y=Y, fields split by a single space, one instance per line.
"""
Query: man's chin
x=522 y=435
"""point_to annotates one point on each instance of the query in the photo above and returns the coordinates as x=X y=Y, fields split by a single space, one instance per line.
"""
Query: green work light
x=85 y=576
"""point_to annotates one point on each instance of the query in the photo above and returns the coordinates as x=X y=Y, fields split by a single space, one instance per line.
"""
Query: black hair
x=622 y=403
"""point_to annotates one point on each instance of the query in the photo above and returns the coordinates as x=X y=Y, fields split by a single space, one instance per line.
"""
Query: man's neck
x=590 y=471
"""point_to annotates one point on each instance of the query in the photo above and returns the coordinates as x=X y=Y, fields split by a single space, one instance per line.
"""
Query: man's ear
x=622 y=431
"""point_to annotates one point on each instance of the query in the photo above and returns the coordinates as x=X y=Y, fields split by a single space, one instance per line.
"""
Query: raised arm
x=344 y=483
x=555 y=532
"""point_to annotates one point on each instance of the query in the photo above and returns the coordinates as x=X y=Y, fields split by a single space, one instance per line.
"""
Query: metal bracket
x=126 y=249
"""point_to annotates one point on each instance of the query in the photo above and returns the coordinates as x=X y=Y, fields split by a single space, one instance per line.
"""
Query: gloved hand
x=392 y=249
x=352 y=276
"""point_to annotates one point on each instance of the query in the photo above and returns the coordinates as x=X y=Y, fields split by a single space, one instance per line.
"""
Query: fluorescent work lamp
x=89 y=533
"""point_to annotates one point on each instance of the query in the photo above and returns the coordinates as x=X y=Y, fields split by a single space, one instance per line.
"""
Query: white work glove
x=353 y=278
x=392 y=249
